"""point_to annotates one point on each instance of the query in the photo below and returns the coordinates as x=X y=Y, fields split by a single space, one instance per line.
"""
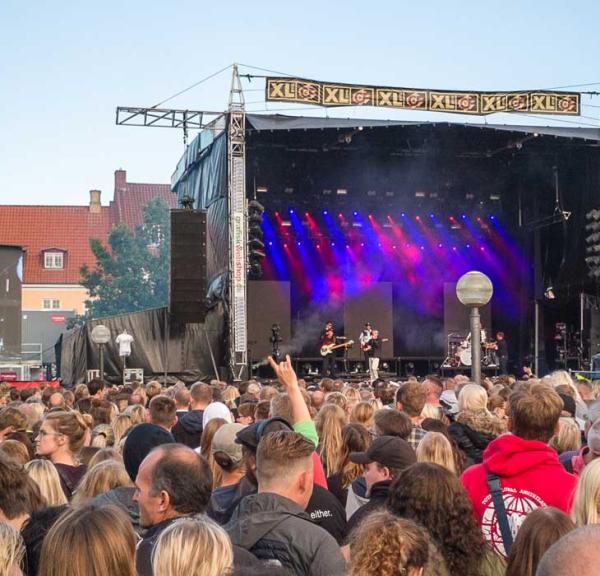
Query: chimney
x=95 y=203
x=120 y=179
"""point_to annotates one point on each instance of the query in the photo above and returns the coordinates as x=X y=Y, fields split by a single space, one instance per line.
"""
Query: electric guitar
x=329 y=348
x=366 y=346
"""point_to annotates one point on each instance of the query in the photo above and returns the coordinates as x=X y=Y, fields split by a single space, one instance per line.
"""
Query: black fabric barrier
x=159 y=344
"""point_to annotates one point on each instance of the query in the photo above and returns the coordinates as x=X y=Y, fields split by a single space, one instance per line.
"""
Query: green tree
x=132 y=273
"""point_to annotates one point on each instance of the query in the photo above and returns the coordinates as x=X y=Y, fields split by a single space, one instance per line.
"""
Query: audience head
x=411 y=398
x=45 y=475
x=60 y=433
x=434 y=447
x=329 y=423
x=384 y=459
x=140 y=441
x=100 y=478
x=15 y=450
x=576 y=554
x=19 y=494
x=182 y=399
x=586 y=505
x=225 y=450
x=385 y=545
x=568 y=438
x=200 y=396
x=363 y=413
x=436 y=499
x=284 y=466
x=216 y=410
x=387 y=422
x=12 y=551
x=541 y=528
x=472 y=398
x=34 y=532
x=96 y=388
x=194 y=547
x=163 y=411
x=534 y=411
x=90 y=541
x=172 y=481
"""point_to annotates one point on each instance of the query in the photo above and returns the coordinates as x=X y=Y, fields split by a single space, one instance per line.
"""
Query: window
x=51 y=304
x=54 y=260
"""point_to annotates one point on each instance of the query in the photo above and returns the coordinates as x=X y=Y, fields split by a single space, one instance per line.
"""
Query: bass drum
x=465 y=356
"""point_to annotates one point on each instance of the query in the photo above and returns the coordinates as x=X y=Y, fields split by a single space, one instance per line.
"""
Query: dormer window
x=54 y=260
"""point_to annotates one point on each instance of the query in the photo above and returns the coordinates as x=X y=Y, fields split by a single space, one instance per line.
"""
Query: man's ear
x=164 y=501
x=385 y=470
x=304 y=482
x=399 y=407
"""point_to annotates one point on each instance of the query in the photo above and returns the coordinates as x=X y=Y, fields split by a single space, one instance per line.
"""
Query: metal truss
x=238 y=232
x=166 y=118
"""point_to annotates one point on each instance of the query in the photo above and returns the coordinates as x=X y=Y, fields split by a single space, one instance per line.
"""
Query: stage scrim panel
x=374 y=305
x=268 y=304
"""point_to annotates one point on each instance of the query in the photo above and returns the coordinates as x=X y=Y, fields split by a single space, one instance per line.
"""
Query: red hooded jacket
x=531 y=477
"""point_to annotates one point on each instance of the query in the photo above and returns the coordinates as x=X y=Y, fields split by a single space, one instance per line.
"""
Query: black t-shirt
x=502 y=348
x=374 y=347
x=326 y=511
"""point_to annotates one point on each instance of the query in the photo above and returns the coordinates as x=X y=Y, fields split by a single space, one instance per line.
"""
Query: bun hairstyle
x=72 y=425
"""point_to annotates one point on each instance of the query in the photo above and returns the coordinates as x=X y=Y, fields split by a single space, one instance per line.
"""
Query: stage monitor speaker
x=374 y=305
x=188 y=287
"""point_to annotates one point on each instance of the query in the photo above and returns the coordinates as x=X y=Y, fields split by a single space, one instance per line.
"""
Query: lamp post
x=101 y=336
x=474 y=289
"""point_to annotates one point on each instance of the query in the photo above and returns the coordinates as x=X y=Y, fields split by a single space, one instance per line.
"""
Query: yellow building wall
x=71 y=297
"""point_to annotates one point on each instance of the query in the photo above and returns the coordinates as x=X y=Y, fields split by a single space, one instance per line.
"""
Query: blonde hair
x=329 y=422
x=363 y=413
x=568 y=437
x=472 y=398
x=12 y=548
x=434 y=447
x=104 y=454
x=195 y=547
x=70 y=424
x=16 y=450
x=431 y=411
x=122 y=423
x=587 y=496
x=137 y=413
x=45 y=475
x=103 y=436
x=100 y=478
x=229 y=395
x=352 y=395
x=205 y=448
x=89 y=541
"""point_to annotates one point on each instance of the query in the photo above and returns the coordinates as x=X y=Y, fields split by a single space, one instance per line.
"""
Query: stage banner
x=463 y=102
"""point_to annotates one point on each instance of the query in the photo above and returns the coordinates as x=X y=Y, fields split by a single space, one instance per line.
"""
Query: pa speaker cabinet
x=187 y=294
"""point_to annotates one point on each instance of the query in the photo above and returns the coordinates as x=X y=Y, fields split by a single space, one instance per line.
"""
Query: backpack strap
x=493 y=481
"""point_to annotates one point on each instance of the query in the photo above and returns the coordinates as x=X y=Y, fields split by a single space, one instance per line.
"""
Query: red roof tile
x=128 y=204
x=38 y=228
x=70 y=228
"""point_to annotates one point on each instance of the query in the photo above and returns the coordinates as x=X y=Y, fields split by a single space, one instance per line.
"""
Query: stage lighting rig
x=592 y=241
x=256 y=244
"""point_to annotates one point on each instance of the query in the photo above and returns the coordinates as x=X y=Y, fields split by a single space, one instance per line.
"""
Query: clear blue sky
x=66 y=65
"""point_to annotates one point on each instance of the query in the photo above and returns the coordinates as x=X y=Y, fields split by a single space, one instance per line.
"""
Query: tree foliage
x=132 y=273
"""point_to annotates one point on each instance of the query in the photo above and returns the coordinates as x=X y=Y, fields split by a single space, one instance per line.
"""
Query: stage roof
x=265 y=122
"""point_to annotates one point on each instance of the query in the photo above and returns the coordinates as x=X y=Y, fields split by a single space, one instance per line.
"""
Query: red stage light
x=418 y=218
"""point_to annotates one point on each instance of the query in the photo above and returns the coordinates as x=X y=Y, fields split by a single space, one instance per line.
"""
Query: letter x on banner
x=463 y=102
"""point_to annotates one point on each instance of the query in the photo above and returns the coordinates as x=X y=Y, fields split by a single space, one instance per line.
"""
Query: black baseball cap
x=250 y=436
x=389 y=451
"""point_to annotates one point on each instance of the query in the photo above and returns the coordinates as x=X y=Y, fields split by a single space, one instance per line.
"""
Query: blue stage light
x=432 y=215
x=325 y=212
x=403 y=214
x=355 y=213
x=463 y=216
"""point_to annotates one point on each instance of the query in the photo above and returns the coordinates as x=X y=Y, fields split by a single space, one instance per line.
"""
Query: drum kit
x=460 y=351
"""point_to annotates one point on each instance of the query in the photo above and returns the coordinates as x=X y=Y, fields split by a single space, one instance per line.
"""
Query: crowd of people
x=431 y=477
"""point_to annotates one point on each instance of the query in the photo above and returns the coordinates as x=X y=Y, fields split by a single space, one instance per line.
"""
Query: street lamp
x=474 y=289
x=101 y=336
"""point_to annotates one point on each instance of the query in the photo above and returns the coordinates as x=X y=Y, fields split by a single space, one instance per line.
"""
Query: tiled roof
x=127 y=204
x=70 y=228
x=38 y=228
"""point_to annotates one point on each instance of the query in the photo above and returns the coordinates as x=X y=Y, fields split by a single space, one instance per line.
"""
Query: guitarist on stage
x=327 y=339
